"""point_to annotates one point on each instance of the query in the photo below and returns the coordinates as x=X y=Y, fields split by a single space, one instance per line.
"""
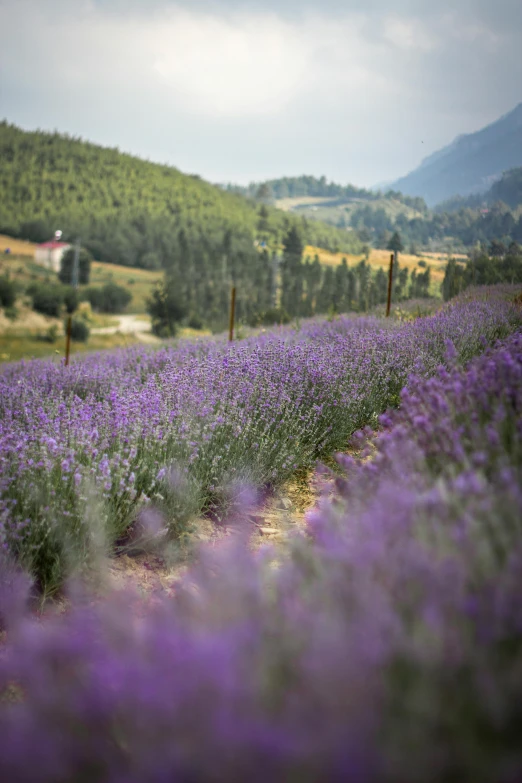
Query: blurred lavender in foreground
x=386 y=645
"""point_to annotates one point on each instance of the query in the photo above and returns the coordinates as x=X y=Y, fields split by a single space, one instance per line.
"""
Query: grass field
x=31 y=346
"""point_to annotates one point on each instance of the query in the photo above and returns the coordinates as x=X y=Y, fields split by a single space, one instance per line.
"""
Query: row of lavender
x=83 y=449
x=386 y=646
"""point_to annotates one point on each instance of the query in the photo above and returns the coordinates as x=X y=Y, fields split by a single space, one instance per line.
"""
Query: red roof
x=53 y=244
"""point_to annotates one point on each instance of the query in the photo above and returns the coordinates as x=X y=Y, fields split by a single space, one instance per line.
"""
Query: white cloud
x=235 y=65
x=409 y=34
x=239 y=90
x=244 y=65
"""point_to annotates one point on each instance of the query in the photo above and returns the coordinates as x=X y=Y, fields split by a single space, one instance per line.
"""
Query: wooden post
x=74 y=282
x=68 y=340
x=390 y=279
x=232 y=313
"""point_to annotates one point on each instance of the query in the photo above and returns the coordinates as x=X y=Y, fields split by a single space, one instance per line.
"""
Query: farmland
x=305 y=661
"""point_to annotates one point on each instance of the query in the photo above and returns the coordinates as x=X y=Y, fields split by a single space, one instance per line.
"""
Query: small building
x=49 y=254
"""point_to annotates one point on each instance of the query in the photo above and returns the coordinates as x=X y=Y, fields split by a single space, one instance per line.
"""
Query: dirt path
x=130 y=324
x=127 y=324
x=278 y=517
x=273 y=522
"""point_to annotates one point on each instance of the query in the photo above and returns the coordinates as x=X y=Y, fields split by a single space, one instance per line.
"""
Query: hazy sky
x=239 y=90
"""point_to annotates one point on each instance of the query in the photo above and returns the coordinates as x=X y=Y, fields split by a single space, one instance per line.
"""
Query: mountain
x=470 y=164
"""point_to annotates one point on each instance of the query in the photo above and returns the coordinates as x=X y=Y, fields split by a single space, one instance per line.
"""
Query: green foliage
x=295 y=187
x=47 y=299
x=51 y=335
x=270 y=317
x=66 y=267
x=34 y=230
x=453 y=282
x=460 y=226
x=70 y=299
x=79 y=330
x=7 y=292
x=110 y=298
x=483 y=269
x=396 y=243
x=292 y=273
x=166 y=307
x=194 y=321
x=420 y=284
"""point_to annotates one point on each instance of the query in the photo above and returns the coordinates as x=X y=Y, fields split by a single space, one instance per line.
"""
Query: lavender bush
x=112 y=427
x=386 y=645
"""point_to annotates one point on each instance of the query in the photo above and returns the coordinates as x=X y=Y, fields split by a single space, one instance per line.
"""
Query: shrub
x=51 y=335
x=270 y=317
x=7 y=292
x=111 y=298
x=166 y=307
x=79 y=330
x=47 y=299
x=195 y=321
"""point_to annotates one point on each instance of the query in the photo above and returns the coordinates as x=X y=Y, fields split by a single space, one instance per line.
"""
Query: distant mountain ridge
x=470 y=164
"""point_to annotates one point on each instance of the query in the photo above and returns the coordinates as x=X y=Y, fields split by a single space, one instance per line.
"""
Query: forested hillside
x=127 y=210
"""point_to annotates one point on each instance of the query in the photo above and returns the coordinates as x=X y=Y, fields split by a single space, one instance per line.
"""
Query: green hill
x=127 y=210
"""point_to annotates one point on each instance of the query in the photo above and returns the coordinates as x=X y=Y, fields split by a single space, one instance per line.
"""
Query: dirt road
x=129 y=324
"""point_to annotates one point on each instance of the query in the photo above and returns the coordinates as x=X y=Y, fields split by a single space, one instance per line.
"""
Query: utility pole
x=74 y=282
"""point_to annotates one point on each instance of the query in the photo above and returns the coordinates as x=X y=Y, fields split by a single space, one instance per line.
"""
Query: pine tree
x=395 y=243
x=292 y=277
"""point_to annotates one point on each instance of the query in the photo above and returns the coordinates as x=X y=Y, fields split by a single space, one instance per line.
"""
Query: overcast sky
x=239 y=90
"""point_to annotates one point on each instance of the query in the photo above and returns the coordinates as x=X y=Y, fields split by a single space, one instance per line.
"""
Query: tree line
x=279 y=287
x=496 y=264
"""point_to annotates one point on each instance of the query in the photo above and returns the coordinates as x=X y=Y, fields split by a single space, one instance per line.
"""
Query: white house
x=49 y=254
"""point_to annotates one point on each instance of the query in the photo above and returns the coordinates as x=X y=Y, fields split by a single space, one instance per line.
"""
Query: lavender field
x=383 y=643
